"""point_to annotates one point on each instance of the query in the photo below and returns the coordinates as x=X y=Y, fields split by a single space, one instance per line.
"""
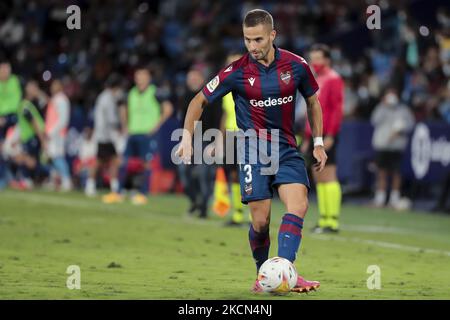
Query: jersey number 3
x=248 y=173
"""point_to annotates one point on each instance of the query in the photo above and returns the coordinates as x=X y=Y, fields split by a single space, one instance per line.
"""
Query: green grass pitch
x=156 y=252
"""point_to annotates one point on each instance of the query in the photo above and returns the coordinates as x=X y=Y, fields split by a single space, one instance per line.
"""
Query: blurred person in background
x=10 y=150
x=32 y=134
x=197 y=179
x=146 y=111
x=106 y=132
x=86 y=161
x=229 y=124
x=392 y=121
x=331 y=97
x=10 y=97
x=56 y=124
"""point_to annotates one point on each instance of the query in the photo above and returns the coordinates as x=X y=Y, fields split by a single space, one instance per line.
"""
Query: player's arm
x=315 y=121
x=194 y=112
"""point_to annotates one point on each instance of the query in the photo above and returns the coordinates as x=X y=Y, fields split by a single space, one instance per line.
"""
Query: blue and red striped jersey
x=264 y=97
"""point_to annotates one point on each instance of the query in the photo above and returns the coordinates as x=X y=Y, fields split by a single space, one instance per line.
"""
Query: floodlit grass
x=156 y=252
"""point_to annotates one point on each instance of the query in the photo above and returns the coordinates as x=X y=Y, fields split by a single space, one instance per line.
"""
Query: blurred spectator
x=106 y=132
x=198 y=179
x=10 y=97
x=56 y=125
x=146 y=111
x=392 y=121
x=86 y=160
x=32 y=134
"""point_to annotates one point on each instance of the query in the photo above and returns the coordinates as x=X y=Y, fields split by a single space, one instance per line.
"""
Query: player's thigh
x=255 y=185
x=294 y=197
x=260 y=211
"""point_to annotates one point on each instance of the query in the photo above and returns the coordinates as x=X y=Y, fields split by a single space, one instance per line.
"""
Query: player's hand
x=321 y=157
x=185 y=151
x=328 y=142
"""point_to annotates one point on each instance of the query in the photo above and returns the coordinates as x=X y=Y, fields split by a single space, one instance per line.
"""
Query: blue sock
x=62 y=167
x=260 y=244
x=289 y=236
x=145 y=184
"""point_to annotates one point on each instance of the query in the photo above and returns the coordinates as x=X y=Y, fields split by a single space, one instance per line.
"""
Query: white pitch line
x=52 y=200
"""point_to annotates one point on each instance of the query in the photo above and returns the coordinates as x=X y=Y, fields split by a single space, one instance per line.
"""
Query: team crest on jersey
x=212 y=85
x=285 y=76
x=248 y=189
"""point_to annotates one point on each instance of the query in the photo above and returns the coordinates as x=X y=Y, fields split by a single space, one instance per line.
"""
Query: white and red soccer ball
x=277 y=275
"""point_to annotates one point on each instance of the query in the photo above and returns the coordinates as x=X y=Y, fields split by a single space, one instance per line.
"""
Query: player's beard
x=262 y=55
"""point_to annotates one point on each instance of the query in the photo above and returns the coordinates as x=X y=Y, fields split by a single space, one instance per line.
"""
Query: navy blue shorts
x=258 y=185
x=32 y=147
x=142 y=146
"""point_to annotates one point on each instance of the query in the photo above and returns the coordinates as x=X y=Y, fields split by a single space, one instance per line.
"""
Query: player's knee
x=299 y=208
x=260 y=223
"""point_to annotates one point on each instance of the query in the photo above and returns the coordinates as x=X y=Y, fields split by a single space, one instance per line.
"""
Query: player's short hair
x=258 y=16
x=322 y=48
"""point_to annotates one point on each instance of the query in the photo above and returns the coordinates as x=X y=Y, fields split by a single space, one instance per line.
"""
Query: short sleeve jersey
x=264 y=96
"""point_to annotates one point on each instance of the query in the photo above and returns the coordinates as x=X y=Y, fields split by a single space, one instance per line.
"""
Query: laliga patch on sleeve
x=212 y=85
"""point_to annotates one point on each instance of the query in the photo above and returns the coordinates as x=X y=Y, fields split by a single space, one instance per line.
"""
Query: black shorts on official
x=106 y=151
x=389 y=160
x=331 y=153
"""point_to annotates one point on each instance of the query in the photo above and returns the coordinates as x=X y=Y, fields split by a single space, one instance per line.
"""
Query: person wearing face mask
x=392 y=121
x=331 y=97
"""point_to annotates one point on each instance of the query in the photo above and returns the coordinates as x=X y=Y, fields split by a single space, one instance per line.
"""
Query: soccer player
x=331 y=97
x=10 y=97
x=56 y=123
x=264 y=83
x=144 y=116
x=106 y=131
x=32 y=133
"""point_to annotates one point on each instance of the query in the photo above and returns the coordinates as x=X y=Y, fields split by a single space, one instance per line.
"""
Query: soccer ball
x=277 y=275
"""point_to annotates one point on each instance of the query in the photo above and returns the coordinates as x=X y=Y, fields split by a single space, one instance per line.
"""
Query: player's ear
x=273 y=34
